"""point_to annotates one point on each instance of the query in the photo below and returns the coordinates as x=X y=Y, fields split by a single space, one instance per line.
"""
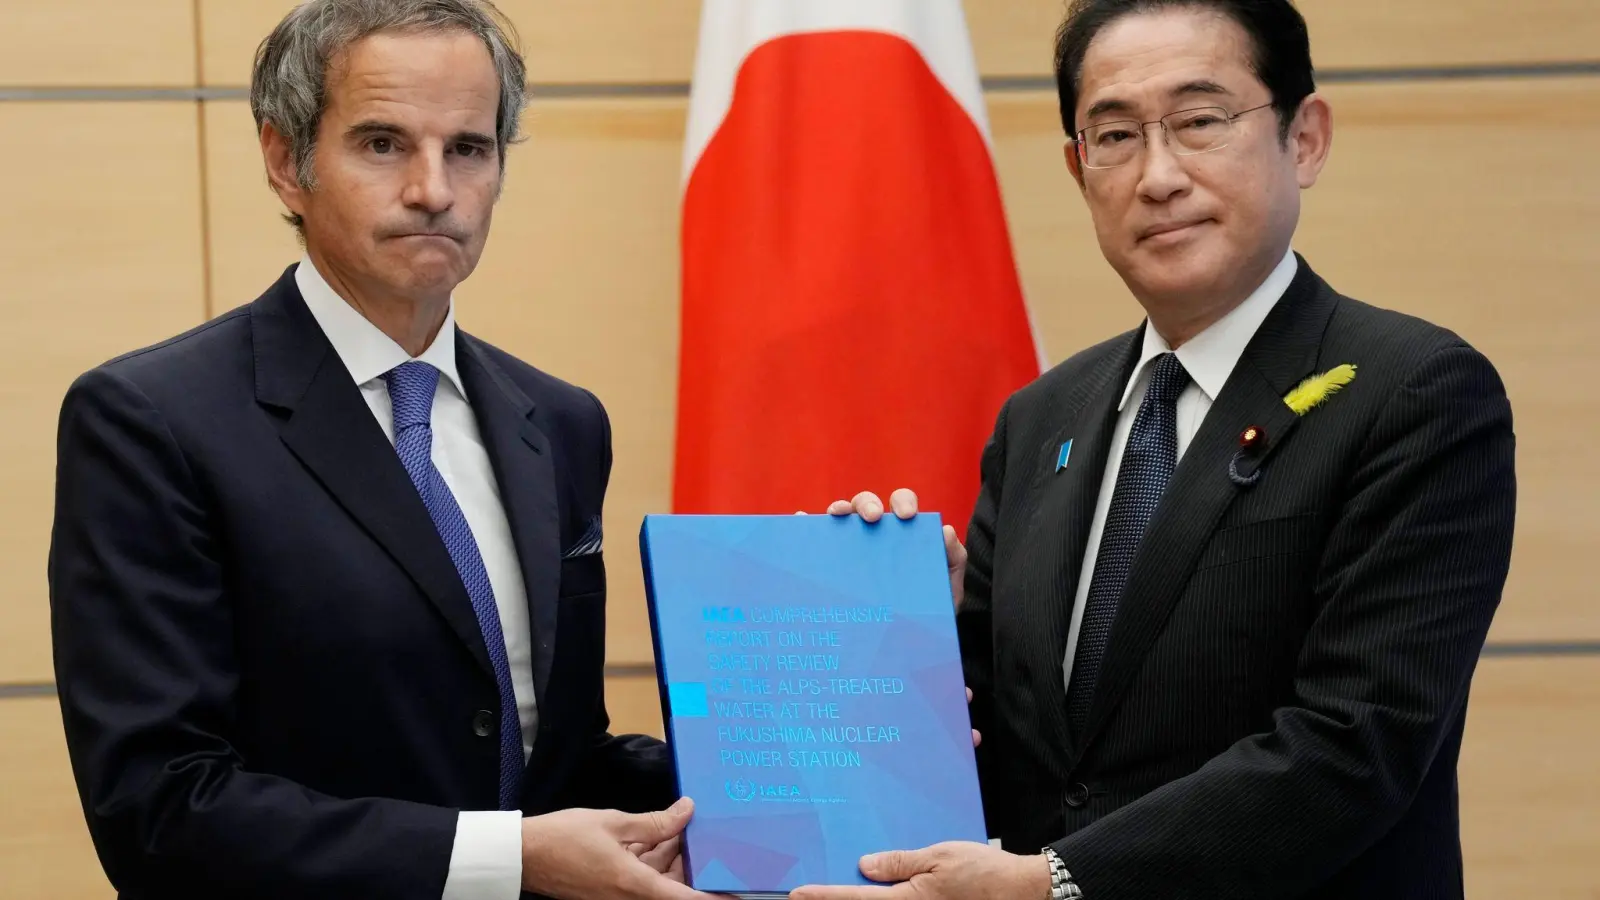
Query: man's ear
x=1311 y=139
x=1074 y=162
x=281 y=171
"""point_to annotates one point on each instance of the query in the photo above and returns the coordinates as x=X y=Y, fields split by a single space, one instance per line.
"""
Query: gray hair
x=288 y=85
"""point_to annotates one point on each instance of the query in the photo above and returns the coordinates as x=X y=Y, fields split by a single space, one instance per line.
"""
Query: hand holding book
x=904 y=503
x=956 y=870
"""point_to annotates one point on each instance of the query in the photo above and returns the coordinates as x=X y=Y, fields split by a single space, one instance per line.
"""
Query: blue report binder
x=812 y=692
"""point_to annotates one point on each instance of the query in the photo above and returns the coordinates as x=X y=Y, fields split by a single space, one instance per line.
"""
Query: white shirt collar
x=1209 y=357
x=365 y=350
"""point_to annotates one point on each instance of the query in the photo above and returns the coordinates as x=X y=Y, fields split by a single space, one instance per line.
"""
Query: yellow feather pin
x=1318 y=388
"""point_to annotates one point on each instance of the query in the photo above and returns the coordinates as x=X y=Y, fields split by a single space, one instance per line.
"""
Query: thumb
x=654 y=827
x=897 y=865
x=955 y=555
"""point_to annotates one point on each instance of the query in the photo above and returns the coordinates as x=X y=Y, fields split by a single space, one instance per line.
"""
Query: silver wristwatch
x=1062 y=887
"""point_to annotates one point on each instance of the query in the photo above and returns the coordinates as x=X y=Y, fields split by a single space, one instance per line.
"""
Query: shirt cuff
x=486 y=859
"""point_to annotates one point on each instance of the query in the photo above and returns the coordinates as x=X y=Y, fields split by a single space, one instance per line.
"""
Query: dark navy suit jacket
x=272 y=680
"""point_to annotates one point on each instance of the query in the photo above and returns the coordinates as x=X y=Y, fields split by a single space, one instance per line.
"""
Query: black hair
x=1281 y=55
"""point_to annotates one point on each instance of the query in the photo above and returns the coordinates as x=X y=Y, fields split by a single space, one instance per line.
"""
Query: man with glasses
x=1230 y=572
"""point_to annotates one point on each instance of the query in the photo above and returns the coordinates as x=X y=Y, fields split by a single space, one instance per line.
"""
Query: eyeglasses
x=1187 y=132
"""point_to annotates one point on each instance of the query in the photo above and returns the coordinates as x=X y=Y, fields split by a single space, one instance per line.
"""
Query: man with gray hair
x=326 y=583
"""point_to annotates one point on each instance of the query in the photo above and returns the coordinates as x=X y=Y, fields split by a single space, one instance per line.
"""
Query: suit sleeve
x=1409 y=581
x=630 y=772
x=974 y=621
x=148 y=680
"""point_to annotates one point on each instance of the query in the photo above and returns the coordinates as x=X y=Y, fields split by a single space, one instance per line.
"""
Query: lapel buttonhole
x=1244 y=469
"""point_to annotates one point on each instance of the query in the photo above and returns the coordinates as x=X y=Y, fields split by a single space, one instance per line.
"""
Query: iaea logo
x=744 y=791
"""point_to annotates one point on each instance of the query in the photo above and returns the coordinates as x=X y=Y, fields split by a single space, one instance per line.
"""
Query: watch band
x=1062 y=887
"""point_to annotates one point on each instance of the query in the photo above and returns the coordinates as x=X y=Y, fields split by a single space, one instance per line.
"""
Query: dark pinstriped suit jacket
x=1280 y=707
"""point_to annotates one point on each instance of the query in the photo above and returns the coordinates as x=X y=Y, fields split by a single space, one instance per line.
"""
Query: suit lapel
x=1065 y=512
x=1282 y=351
x=521 y=456
x=329 y=427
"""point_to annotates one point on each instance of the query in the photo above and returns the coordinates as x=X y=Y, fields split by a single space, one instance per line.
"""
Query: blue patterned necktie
x=1147 y=463
x=411 y=389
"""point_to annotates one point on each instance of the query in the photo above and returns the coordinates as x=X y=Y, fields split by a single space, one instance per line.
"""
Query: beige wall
x=1469 y=202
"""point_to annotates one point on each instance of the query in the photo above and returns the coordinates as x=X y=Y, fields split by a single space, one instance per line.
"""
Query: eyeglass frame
x=1166 y=136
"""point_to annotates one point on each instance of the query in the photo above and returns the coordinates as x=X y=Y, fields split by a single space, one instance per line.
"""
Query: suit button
x=483 y=723
x=1078 y=795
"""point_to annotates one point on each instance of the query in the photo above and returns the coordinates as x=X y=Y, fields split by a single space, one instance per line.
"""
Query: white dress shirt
x=486 y=860
x=1209 y=357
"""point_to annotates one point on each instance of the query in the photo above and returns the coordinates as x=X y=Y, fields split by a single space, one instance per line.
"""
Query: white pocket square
x=591 y=542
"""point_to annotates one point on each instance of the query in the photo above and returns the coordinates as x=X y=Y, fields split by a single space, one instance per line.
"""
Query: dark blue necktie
x=1147 y=463
x=411 y=389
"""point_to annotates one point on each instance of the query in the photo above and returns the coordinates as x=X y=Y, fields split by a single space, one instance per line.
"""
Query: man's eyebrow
x=1200 y=86
x=474 y=137
x=374 y=128
x=1101 y=107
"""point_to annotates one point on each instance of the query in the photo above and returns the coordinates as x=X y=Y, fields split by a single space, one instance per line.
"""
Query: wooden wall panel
x=563 y=40
x=1529 y=785
x=631 y=41
x=250 y=243
x=97 y=43
x=635 y=705
x=230 y=32
x=1361 y=33
x=607 y=40
x=1016 y=37
x=1470 y=204
x=45 y=853
x=101 y=252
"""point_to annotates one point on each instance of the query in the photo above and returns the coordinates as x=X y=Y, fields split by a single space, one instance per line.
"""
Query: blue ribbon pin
x=1066 y=454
